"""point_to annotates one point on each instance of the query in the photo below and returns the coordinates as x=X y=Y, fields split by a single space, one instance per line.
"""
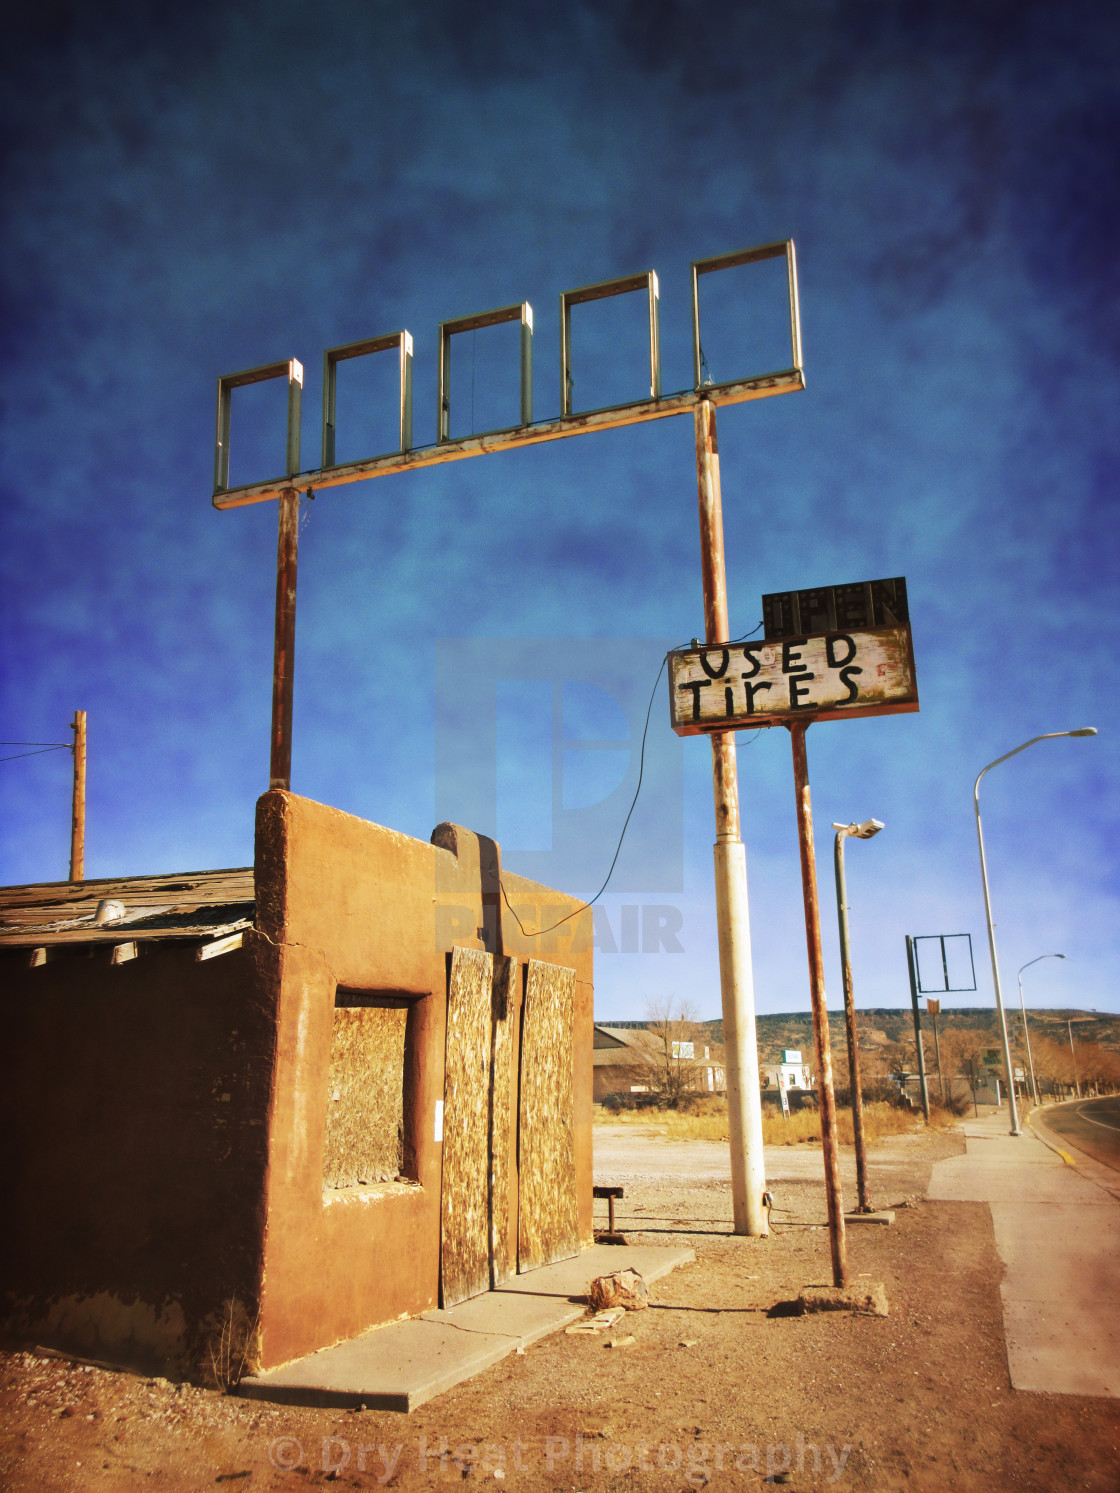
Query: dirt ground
x=720 y=1386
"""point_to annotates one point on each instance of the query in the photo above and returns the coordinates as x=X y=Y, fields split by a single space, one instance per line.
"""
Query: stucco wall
x=351 y=903
x=166 y=1119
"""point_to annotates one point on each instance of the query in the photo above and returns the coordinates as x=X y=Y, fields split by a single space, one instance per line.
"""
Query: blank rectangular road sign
x=823 y=677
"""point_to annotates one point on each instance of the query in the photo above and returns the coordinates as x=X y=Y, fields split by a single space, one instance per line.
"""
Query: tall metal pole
x=935 y=1011
x=744 y=1101
x=912 y=967
x=1026 y=1032
x=78 y=806
x=283 y=657
x=995 y=963
x=829 y=1143
x=855 y=1080
x=1046 y=736
x=1073 y=1059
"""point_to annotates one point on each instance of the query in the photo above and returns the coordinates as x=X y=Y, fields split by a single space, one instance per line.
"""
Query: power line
x=58 y=746
x=626 y=824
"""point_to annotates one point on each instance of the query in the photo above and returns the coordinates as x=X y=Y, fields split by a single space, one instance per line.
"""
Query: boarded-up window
x=548 y=1215
x=365 y=1091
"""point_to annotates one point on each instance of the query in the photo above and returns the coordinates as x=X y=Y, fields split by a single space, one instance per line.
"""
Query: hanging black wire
x=633 y=802
x=44 y=747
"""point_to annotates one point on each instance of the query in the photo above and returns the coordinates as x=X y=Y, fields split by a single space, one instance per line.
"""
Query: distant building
x=626 y=1059
x=790 y=1073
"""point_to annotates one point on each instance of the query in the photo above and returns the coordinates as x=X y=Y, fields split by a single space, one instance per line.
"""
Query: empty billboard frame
x=521 y=312
x=402 y=343
x=783 y=249
x=657 y=406
x=622 y=286
x=292 y=370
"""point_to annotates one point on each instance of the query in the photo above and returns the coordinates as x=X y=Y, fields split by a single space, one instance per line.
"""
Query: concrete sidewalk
x=404 y=1364
x=1057 y=1230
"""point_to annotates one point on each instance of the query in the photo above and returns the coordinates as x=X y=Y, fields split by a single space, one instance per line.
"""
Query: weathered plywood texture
x=548 y=1224
x=501 y=1099
x=465 y=1232
x=365 y=1097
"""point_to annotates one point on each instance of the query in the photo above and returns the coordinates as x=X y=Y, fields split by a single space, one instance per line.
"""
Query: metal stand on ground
x=744 y=1102
x=837 y=1238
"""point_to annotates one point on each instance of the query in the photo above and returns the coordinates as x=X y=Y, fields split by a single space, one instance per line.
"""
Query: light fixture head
x=862 y=831
x=1084 y=731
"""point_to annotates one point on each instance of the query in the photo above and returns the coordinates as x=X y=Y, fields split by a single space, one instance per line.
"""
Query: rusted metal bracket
x=292 y=370
x=402 y=343
x=638 y=413
x=782 y=249
x=622 y=286
x=521 y=312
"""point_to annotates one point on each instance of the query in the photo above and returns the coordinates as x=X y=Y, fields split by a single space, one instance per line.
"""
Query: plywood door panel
x=465 y=1241
x=548 y=1224
x=501 y=1117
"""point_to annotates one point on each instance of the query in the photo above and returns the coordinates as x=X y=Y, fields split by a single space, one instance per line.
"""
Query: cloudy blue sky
x=205 y=189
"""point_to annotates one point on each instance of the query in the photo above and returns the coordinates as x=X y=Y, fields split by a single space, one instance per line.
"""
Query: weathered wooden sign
x=827 y=676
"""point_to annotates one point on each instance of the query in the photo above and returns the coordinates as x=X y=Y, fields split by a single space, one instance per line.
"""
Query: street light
x=1046 y=736
x=862 y=831
x=1026 y=1034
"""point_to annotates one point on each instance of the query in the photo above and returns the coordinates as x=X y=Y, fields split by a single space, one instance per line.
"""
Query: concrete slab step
x=405 y=1364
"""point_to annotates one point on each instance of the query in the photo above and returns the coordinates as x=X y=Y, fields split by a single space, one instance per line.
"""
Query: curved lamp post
x=862 y=831
x=1047 y=736
x=1026 y=1034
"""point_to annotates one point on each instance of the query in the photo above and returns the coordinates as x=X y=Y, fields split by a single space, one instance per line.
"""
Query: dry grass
x=878 y=1120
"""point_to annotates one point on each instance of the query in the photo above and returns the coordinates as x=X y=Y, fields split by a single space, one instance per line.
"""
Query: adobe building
x=250 y=1114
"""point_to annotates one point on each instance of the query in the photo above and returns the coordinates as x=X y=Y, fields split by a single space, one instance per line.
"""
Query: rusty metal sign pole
x=912 y=966
x=855 y=1081
x=78 y=808
x=933 y=1008
x=744 y=1101
x=283 y=657
x=829 y=1142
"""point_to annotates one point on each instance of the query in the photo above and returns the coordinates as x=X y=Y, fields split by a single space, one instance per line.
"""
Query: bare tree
x=962 y=1052
x=672 y=1069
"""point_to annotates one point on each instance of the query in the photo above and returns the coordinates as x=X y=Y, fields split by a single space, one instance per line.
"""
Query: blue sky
x=194 y=193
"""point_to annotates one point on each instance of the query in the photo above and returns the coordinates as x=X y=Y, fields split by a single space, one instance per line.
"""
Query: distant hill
x=895 y=1025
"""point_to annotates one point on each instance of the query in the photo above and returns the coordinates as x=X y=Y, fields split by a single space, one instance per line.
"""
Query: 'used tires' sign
x=828 y=676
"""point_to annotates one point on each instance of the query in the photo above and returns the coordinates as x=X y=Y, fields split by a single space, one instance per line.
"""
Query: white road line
x=1103 y=1123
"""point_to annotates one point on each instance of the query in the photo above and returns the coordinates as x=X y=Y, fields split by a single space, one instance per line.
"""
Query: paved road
x=1092 y=1125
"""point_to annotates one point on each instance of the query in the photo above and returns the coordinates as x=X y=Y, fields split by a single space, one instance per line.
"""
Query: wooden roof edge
x=121 y=934
x=47 y=893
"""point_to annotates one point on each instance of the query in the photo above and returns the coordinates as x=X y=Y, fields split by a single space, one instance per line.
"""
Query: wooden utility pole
x=744 y=1099
x=826 y=1092
x=78 y=809
x=283 y=657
